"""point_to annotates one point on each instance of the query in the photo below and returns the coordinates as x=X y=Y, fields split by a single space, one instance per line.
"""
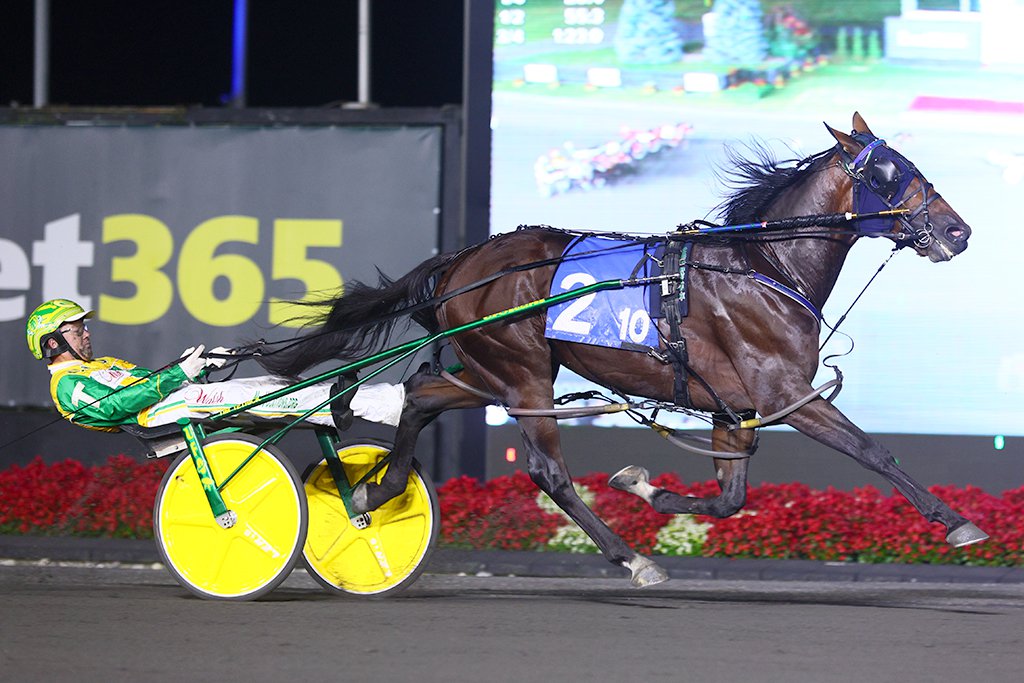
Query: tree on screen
x=738 y=35
x=647 y=33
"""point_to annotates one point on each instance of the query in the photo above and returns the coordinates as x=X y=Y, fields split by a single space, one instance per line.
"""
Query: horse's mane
x=755 y=181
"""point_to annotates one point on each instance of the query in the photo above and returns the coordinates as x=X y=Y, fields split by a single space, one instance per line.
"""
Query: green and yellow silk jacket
x=83 y=391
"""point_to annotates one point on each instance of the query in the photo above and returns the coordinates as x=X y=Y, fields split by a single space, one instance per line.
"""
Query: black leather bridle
x=882 y=179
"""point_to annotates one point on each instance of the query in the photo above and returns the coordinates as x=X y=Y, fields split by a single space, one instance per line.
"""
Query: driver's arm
x=84 y=400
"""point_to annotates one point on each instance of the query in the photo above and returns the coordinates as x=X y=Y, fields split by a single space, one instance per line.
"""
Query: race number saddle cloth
x=624 y=317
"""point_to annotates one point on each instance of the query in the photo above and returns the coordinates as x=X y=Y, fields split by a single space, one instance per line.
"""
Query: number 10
x=634 y=324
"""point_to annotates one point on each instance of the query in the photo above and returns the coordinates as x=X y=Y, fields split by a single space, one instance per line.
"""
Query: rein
x=702 y=227
x=257 y=349
x=689 y=230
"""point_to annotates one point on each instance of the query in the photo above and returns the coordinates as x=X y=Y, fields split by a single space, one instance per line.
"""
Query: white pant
x=373 y=402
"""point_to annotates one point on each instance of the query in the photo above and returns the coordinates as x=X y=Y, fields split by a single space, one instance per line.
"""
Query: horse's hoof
x=965 y=534
x=633 y=479
x=645 y=572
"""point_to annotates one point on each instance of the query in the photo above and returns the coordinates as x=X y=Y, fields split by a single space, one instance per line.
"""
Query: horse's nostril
x=957 y=233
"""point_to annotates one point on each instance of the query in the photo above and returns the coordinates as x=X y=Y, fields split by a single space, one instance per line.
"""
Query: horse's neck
x=813 y=264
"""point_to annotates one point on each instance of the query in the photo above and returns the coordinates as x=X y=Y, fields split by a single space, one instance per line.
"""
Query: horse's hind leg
x=731 y=475
x=426 y=397
x=547 y=470
x=824 y=422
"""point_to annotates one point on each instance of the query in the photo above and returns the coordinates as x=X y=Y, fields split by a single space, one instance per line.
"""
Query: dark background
x=175 y=52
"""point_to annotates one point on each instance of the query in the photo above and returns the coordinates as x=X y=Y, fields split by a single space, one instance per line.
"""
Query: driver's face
x=76 y=334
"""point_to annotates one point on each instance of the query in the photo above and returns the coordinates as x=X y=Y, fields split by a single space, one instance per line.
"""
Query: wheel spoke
x=192 y=518
x=261 y=539
x=250 y=558
x=380 y=558
x=340 y=546
x=260 y=488
x=220 y=553
x=379 y=554
x=325 y=493
x=405 y=514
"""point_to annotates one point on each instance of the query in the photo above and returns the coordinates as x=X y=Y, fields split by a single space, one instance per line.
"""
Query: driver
x=104 y=393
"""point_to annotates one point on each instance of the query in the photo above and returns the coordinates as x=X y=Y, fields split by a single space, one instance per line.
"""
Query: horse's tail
x=357 y=323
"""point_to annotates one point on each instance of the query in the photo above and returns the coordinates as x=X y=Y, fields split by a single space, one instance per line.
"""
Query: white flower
x=545 y=503
x=683 y=535
x=571 y=539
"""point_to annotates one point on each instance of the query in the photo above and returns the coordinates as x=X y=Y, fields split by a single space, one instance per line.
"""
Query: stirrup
x=341 y=411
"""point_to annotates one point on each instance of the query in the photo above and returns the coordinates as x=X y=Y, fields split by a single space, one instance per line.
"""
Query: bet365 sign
x=207 y=269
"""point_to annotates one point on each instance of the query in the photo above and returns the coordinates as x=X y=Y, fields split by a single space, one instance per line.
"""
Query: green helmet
x=46 y=320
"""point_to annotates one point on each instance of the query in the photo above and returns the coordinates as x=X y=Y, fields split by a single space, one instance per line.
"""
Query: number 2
x=566 y=320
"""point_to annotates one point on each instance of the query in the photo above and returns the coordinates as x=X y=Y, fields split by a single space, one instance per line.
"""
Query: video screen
x=618 y=115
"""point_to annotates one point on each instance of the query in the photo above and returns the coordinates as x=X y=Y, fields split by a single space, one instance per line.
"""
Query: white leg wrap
x=379 y=403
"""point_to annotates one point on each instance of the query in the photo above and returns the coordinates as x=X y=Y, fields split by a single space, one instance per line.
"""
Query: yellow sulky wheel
x=255 y=555
x=391 y=552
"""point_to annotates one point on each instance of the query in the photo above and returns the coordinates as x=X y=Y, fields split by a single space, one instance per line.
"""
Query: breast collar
x=787 y=291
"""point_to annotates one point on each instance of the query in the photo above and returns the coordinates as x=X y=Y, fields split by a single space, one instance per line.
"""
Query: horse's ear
x=851 y=146
x=860 y=125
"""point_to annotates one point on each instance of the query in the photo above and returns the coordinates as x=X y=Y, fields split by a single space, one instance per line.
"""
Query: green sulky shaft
x=411 y=347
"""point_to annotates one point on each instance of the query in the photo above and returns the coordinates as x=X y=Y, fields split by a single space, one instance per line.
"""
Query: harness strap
x=731 y=420
x=865 y=153
x=787 y=291
x=675 y=262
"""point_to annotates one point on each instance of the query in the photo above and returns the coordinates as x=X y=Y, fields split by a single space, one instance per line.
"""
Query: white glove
x=193 y=362
x=218 y=362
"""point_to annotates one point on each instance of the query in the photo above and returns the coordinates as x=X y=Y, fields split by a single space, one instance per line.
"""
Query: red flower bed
x=503 y=514
x=779 y=521
x=631 y=517
x=68 y=498
x=782 y=521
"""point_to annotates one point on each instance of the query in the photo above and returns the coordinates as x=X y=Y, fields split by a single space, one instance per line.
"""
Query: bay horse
x=754 y=348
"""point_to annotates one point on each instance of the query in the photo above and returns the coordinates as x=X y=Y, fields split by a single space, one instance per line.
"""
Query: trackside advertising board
x=181 y=235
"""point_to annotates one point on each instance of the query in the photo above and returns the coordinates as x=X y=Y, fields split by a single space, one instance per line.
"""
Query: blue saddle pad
x=618 y=318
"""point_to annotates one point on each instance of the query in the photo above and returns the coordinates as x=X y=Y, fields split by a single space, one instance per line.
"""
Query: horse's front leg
x=426 y=397
x=731 y=475
x=823 y=422
x=547 y=469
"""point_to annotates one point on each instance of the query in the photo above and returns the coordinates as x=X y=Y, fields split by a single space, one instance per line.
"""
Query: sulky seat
x=162 y=441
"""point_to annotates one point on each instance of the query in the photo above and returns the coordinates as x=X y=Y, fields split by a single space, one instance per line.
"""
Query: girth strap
x=673 y=297
x=674 y=306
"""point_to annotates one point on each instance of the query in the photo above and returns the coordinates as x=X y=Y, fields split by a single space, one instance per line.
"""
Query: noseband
x=882 y=179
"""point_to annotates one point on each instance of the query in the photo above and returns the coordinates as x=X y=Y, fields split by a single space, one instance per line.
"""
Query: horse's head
x=883 y=179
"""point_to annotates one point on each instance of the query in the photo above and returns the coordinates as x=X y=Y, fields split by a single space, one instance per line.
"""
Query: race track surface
x=88 y=622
